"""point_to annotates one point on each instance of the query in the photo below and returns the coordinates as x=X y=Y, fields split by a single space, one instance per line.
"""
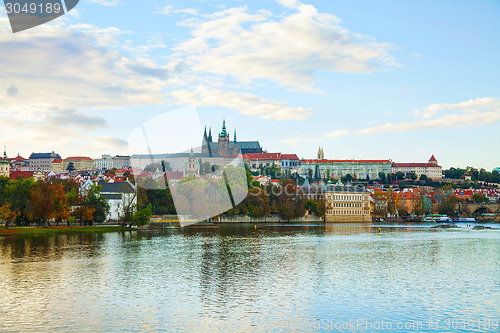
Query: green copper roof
x=224 y=131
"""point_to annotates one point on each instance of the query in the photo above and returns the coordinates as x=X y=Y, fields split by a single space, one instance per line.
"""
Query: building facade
x=431 y=169
x=347 y=204
x=108 y=162
x=79 y=162
x=42 y=161
x=360 y=169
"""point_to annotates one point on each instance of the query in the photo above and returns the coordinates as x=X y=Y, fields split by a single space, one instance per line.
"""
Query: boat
x=465 y=220
x=444 y=219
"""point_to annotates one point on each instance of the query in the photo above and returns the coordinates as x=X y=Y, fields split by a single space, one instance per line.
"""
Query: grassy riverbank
x=33 y=231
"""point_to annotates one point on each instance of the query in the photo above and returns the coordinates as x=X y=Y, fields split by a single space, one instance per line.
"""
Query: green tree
x=479 y=198
x=71 y=167
x=99 y=204
x=142 y=216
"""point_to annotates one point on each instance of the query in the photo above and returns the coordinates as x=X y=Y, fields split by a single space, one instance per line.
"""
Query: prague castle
x=225 y=147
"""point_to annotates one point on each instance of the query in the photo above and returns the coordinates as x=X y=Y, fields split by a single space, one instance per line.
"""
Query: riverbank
x=33 y=231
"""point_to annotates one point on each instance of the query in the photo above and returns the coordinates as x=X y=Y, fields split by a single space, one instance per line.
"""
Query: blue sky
x=396 y=80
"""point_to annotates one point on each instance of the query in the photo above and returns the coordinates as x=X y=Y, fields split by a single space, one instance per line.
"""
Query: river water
x=241 y=278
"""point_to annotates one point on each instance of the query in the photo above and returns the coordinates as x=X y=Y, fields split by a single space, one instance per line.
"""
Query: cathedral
x=225 y=147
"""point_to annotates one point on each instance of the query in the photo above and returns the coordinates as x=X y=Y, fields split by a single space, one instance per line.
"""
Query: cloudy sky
x=396 y=80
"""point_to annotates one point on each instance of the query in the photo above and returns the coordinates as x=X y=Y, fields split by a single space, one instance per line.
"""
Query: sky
x=398 y=80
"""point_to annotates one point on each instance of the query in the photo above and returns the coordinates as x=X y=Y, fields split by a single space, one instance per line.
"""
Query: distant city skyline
x=365 y=80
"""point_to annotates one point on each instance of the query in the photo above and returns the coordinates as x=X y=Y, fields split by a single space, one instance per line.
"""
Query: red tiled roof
x=343 y=161
x=415 y=165
x=263 y=156
x=174 y=175
x=21 y=174
x=17 y=159
x=59 y=160
x=289 y=157
x=432 y=159
x=78 y=158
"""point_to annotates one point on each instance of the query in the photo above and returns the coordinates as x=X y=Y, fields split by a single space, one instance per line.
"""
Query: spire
x=205 y=133
x=224 y=132
x=4 y=160
x=210 y=134
x=235 y=135
x=191 y=155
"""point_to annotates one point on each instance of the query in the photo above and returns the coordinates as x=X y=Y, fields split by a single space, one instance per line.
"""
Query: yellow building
x=79 y=163
x=57 y=165
x=347 y=204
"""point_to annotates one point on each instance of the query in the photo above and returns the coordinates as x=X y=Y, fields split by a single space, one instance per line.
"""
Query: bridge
x=477 y=210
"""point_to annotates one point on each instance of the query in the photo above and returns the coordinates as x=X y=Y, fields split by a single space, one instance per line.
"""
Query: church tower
x=204 y=144
x=223 y=140
x=321 y=154
x=4 y=166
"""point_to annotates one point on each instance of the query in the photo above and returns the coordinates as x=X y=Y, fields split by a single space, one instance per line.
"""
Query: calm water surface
x=236 y=278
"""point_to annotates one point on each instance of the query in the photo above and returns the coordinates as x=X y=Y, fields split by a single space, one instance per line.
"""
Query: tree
x=100 y=205
x=127 y=208
x=8 y=214
x=380 y=209
x=60 y=204
x=382 y=177
x=82 y=213
x=447 y=205
x=348 y=178
x=413 y=176
x=41 y=202
x=18 y=194
x=71 y=167
x=479 y=198
x=400 y=175
x=423 y=177
x=142 y=216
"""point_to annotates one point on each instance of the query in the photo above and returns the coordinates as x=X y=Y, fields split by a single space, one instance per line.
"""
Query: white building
x=431 y=169
x=42 y=161
x=119 y=195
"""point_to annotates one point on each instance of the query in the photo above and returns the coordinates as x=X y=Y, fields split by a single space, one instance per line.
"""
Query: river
x=242 y=277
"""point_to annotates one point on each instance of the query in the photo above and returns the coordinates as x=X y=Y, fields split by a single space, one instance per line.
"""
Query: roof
x=173 y=175
x=112 y=196
x=432 y=159
x=264 y=156
x=351 y=189
x=116 y=187
x=241 y=144
x=44 y=155
x=57 y=160
x=342 y=161
x=21 y=174
x=289 y=157
x=75 y=158
x=415 y=165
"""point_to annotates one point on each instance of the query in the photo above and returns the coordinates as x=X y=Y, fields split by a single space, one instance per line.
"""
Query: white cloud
x=289 y=50
x=474 y=112
x=245 y=103
x=55 y=71
x=167 y=10
x=109 y=3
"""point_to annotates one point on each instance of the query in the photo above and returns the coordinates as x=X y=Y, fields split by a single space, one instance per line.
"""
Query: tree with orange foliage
x=60 y=208
x=41 y=202
x=8 y=213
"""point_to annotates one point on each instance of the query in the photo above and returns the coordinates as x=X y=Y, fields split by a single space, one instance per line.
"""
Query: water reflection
x=246 y=277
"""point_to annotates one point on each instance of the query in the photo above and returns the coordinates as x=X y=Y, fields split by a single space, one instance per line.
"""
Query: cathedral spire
x=210 y=134
x=235 y=135
x=224 y=131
